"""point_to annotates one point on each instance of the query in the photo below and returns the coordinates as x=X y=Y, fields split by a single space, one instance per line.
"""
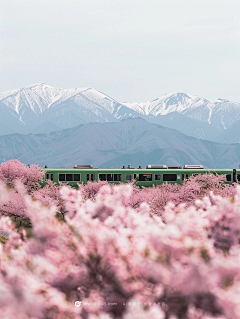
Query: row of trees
x=164 y=252
x=21 y=179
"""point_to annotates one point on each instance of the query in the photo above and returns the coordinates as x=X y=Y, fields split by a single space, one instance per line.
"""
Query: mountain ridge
x=34 y=107
x=131 y=141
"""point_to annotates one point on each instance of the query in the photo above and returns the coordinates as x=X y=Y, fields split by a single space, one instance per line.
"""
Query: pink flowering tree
x=117 y=261
x=169 y=251
x=14 y=171
x=211 y=183
x=195 y=187
x=19 y=179
x=90 y=190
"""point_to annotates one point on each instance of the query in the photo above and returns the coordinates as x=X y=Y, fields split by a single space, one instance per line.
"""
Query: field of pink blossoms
x=106 y=251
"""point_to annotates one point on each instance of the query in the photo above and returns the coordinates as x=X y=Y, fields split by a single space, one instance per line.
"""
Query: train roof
x=140 y=169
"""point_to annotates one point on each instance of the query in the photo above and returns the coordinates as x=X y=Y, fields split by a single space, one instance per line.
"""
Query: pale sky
x=131 y=50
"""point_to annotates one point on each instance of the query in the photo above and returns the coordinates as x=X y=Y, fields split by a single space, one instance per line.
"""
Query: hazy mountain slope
x=232 y=135
x=9 y=122
x=131 y=141
x=186 y=125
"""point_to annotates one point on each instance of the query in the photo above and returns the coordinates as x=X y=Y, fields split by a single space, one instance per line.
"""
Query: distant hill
x=41 y=108
x=131 y=141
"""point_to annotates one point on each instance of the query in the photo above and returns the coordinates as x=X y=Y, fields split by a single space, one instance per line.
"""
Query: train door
x=238 y=178
x=234 y=175
x=49 y=176
x=136 y=177
x=185 y=176
x=90 y=177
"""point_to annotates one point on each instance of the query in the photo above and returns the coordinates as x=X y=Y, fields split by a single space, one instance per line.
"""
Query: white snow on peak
x=223 y=124
x=210 y=114
x=218 y=100
x=173 y=102
x=38 y=97
x=100 y=99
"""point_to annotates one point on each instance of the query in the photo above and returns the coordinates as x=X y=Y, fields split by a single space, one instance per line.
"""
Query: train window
x=47 y=176
x=77 y=177
x=157 y=177
x=102 y=177
x=128 y=177
x=229 y=177
x=62 y=177
x=238 y=177
x=69 y=177
x=110 y=177
x=169 y=177
x=145 y=177
x=182 y=177
x=117 y=177
x=187 y=176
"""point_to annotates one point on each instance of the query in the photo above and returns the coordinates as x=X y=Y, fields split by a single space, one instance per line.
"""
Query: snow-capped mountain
x=190 y=114
x=40 y=97
x=41 y=108
x=175 y=102
x=217 y=110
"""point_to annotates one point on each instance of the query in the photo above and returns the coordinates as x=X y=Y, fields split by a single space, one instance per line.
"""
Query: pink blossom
x=170 y=251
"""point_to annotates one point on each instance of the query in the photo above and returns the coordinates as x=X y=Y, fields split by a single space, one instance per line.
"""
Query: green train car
x=151 y=175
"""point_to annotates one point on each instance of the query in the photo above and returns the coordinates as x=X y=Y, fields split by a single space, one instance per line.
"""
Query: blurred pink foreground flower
x=120 y=252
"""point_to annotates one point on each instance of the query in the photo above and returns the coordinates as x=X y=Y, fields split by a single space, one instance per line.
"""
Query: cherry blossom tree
x=170 y=251
x=121 y=262
x=14 y=171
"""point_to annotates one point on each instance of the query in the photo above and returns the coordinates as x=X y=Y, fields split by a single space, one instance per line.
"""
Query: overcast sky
x=131 y=50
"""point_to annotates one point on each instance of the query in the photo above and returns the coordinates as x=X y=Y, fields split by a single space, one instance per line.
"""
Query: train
x=143 y=177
